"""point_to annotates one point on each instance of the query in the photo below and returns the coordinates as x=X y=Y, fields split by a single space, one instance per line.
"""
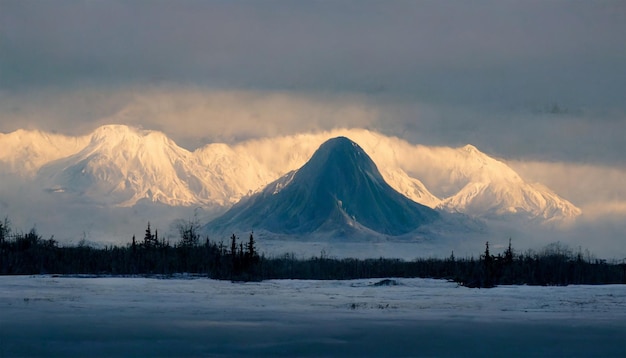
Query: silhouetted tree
x=189 y=232
x=555 y=265
x=148 y=239
x=233 y=245
x=5 y=229
x=508 y=254
x=487 y=279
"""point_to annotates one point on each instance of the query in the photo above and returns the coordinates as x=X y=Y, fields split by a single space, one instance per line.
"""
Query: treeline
x=555 y=265
x=238 y=260
x=29 y=253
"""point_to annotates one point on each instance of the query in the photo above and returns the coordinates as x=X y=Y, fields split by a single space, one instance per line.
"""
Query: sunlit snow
x=130 y=164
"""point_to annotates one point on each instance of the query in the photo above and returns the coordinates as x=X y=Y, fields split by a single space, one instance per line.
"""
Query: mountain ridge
x=339 y=190
x=461 y=179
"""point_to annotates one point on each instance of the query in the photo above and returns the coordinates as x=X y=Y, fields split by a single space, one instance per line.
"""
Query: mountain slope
x=236 y=171
x=24 y=152
x=121 y=166
x=124 y=166
x=338 y=190
x=483 y=186
x=439 y=177
x=279 y=155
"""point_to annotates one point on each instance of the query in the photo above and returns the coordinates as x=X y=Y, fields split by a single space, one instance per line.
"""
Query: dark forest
x=238 y=260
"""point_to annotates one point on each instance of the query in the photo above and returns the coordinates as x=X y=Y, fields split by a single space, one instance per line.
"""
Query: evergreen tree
x=189 y=233
x=147 y=239
x=5 y=230
x=2 y=229
x=487 y=256
x=508 y=254
x=250 y=247
x=488 y=268
x=233 y=245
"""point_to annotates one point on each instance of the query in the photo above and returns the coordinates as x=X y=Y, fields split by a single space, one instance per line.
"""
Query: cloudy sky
x=541 y=80
x=530 y=81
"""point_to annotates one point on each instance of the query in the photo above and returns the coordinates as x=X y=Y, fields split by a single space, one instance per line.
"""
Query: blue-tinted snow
x=47 y=316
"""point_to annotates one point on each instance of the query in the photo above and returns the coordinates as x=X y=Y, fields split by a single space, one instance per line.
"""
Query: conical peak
x=339 y=188
x=340 y=156
x=340 y=143
x=341 y=140
x=340 y=148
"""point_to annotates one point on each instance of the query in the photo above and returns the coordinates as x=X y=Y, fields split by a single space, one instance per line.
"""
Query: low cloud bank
x=597 y=189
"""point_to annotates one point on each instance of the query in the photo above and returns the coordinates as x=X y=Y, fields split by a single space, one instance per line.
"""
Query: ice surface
x=45 y=315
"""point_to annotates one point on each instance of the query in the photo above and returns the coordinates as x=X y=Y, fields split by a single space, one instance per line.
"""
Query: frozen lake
x=71 y=316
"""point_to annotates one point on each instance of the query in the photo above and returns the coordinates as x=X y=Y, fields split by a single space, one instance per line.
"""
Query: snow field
x=48 y=316
x=407 y=298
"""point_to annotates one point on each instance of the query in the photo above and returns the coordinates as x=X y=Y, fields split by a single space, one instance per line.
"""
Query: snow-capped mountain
x=410 y=187
x=233 y=170
x=453 y=179
x=122 y=166
x=24 y=152
x=486 y=187
x=339 y=191
x=483 y=186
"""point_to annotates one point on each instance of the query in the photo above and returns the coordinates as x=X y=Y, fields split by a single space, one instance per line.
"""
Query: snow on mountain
x=284 y=154
x=410 y=187
x=472 y=182
x=453 y=179
x=339 y=190
x=234 y=170
x=24 y=152
x=122 y=166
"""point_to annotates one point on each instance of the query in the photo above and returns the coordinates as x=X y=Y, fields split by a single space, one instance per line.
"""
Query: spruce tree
x=233 y=245
x=488 y=268
x=147 y=239
x=508 y=254
x=250 y=247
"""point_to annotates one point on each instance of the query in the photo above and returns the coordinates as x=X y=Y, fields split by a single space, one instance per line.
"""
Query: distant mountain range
x=121 y=166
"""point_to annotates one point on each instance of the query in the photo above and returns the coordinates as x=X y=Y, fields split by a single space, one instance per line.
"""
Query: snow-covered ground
x=113 y=316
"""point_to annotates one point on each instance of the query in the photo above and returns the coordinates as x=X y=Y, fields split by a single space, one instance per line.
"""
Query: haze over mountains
x=121 y=166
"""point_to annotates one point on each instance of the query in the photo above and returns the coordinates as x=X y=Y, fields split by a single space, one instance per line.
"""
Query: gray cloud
x=191 y=116
x=481 y=72
x=194 y=116
x=480 y=51
x=527 y=133
x=598 y=190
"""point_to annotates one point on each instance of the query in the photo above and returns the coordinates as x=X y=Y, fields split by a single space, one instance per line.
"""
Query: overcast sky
x=527 y=80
